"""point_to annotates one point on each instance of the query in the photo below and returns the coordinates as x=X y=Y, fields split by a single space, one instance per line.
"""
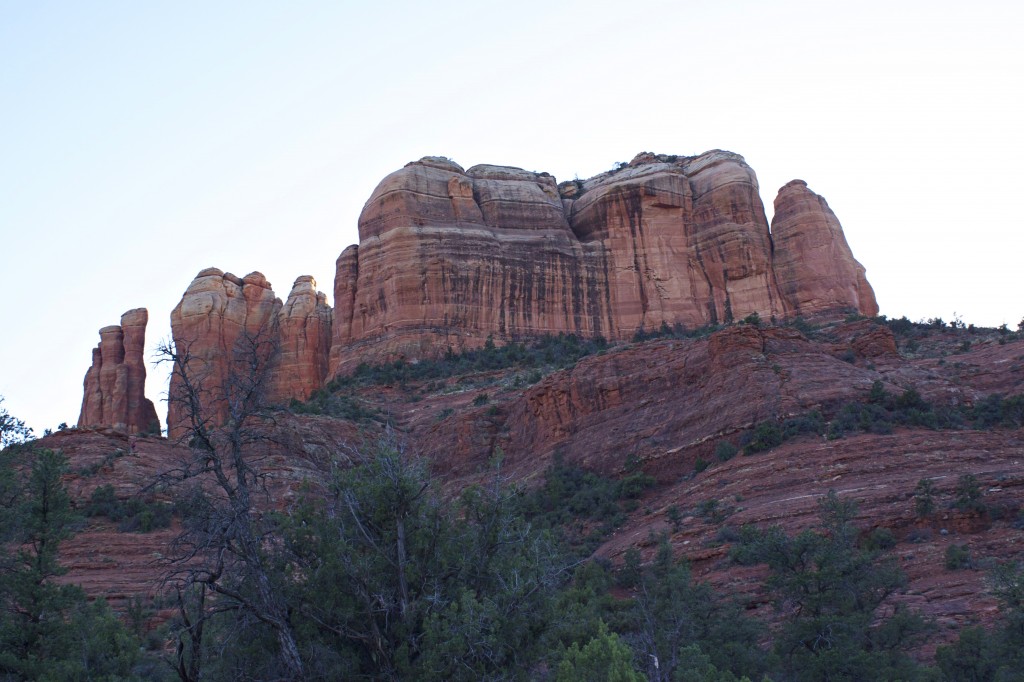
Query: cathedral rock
x=448 y=257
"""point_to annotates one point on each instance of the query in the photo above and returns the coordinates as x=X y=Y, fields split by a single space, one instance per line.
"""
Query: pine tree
x=48 y=631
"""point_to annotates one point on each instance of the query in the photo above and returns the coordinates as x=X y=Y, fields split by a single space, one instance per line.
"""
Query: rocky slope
x=663 y=405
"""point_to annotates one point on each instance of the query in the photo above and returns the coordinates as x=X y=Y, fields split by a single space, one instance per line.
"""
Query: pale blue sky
x=142 y=142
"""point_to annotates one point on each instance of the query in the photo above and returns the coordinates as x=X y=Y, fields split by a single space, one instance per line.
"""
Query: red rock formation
x=449 y=257
x=115 y=384
x=686 y=240
x=815 y=268
x=664 y=402
x=221 y=323
x=304 y=324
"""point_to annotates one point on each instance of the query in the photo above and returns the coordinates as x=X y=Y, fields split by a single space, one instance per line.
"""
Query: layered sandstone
x=815 y=268
x=222 y=324
x=661 y=403
x=449 y=257
x=304 y=324
x=225 y=326
x=115 y=384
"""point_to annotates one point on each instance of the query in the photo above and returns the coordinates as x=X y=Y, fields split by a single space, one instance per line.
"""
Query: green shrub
x=725 y=451
x=136 y=514
x=634 y=484
x=675 y=517
x=605 y=658
x=958 y=557
x=924 y=498
x=969 y=495
x=880 y=539
x=765 y=436
x=563 y=350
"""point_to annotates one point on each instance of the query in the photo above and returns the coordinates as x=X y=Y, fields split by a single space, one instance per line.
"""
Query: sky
x=143 y=142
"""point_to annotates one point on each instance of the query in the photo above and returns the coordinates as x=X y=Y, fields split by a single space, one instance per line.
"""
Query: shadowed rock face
x=815 y=268
x=115 y=383
x=448 y=257
x=664 y=404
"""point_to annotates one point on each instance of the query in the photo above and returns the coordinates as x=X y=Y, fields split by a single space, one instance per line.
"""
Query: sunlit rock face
x=115 y=384
x=685 y=238
x=220 y=320
x=224 y=324
x=448 y=257
x=814 y=266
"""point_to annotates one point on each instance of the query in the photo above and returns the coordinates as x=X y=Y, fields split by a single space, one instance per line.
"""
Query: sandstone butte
x=448 y=258
x=115 y=384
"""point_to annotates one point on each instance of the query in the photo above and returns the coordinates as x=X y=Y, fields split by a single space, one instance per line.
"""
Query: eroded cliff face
x=663 y=404
x=221 y=320
x=304 y=324
x=686 y=240
x=115 y=384
x=449 y=257
x=815 y=268
x=225 y=323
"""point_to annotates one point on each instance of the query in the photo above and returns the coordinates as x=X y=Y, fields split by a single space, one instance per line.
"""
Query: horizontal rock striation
x=815 y=268
x=449 y=257
x=225 y=326
x=115 y=384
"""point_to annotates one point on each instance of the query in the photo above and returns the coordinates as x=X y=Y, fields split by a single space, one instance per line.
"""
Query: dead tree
x=221 y=563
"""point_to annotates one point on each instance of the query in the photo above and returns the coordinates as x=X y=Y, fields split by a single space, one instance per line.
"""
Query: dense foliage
x=830 y=588
x=48 y=631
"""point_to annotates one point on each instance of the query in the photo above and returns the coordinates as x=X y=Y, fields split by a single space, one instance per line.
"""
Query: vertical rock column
x=233 y=327
x=220 y=322
x=305 y=342
x=813 y=264
x=115 y=384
